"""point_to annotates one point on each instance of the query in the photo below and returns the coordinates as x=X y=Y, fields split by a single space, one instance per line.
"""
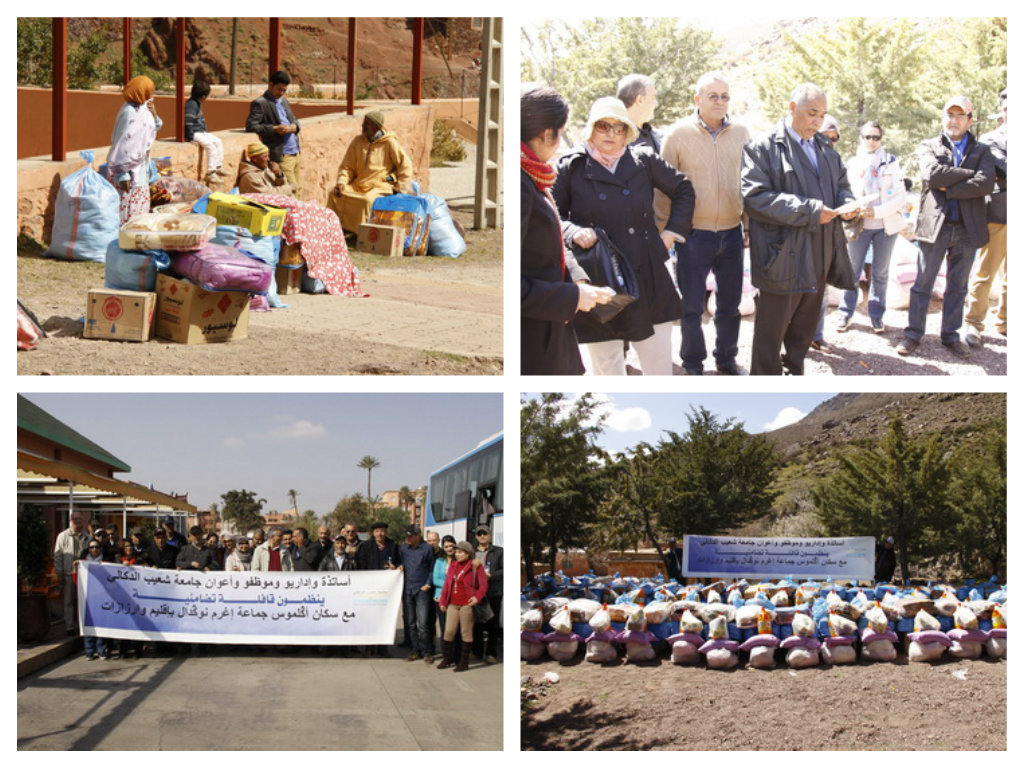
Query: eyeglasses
x=833 y=140
x=93 y=546
x=619 y=129
x=718 y=97
x=481 y=533
x=872 y=137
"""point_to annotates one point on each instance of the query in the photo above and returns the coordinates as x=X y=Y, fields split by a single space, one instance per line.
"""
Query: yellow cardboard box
x=237 y=211
x=189 y=315
x=121 y=315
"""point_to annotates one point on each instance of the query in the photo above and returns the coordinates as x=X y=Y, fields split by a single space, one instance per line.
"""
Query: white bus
x=467 y=492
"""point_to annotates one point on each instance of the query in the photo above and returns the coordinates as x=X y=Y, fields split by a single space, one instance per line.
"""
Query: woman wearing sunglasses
x=874 y=172
x=606 y=183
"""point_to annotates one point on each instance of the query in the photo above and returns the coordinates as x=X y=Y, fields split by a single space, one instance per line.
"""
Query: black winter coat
x=547 y=300
x=621 y=203
x=969 y=183
x=783 y=216
x=996 y=143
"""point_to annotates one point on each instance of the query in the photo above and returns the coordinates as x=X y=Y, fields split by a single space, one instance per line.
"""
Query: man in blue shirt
x=957 y=172
x=271 y=118
x=418 y=564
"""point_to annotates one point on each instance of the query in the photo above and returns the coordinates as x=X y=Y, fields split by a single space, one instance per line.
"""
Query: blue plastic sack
x=86 y=216
x=133 y=270
x=443 y=238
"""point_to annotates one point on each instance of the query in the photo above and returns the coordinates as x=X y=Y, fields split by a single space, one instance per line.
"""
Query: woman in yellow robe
x=375 y=164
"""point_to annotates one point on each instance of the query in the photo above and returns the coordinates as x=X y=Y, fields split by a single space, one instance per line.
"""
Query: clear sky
x=206 y=444
x=635 y=418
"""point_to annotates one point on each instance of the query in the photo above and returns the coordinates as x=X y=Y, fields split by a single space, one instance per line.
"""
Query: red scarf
x=543 y=176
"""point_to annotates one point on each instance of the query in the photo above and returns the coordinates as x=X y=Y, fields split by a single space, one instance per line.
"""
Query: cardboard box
x=187 y=314
x=290 y=256
x=121 y=315
x=289 y=279
x=237 y=211
x=380 y=238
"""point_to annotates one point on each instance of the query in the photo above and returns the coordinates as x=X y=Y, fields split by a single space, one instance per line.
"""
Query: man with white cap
x=957 y=172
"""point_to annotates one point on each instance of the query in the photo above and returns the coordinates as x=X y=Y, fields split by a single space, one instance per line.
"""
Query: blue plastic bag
x=133 y=270
x=86 y=216
x=443 y=238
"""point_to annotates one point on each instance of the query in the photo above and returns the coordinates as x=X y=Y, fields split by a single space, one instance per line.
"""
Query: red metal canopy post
x=126 y=48
x=179 y=77
x=350 y=77
x=275 y=46
x=59 y=91
x=417 y=60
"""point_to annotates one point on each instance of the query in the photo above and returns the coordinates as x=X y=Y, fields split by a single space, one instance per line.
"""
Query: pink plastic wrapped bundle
x=531 y=646
x=801 y=651
x=878 y=646
x=928 y=645
x=600 y=648
x=761 y=649
x=685 y=647
x=637 y=644
x=966 y=643
x=221 y=268
x=719 y=650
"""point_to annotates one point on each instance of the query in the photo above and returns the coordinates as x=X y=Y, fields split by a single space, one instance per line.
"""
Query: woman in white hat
x=606 y=183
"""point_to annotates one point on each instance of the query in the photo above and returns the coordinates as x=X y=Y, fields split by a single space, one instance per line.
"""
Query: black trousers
x=784 y=320
x=491 y=629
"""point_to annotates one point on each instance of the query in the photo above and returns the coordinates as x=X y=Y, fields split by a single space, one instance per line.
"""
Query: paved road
x=240 y=699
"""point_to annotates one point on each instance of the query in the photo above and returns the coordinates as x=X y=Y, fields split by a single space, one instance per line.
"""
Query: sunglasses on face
x=619 y=129
x=718 y=97
x=872 y=137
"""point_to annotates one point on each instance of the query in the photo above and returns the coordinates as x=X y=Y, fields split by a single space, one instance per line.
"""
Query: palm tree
x=369 y=463
x=293 y=495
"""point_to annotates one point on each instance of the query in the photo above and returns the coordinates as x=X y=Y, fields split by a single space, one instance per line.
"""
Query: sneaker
x=958 y=348
x=429 y=658
x=843 y=324
x=973 y=338
x=91 y=657
x=907 y=347
x=413 y=657
x=877 y=326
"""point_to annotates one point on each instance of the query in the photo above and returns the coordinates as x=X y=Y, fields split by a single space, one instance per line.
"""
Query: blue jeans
x=418 y=630
x=722 y=254
x=881 y=248
x=819 y=331
x=94 y=645
x=952 y=244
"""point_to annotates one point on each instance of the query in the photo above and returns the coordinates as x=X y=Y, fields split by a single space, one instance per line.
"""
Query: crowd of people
x=620 y=234
x=375 y=163
x=449 y=585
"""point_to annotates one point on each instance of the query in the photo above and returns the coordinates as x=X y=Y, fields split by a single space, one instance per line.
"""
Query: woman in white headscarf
x=874 y=172
x=134 y=133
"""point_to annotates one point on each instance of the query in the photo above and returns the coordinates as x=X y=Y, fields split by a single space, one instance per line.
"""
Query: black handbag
x=607 y=267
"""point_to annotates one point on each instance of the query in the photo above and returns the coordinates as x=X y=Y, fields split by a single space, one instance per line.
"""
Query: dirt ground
x=952 y=705
x=426 y=316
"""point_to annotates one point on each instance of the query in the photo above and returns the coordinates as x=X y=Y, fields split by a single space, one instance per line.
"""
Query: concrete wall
x=324 y=140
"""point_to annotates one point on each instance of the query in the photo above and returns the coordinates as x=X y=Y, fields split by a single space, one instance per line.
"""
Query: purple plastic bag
x=217 y=267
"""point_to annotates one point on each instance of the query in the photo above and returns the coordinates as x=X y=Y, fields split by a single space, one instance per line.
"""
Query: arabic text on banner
x=837 y=558
x=278 y=607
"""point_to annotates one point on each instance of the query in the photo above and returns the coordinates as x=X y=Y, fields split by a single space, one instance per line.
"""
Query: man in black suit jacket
x=271 y=118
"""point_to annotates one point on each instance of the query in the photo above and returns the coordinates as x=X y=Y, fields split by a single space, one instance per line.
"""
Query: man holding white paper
x=794 y=186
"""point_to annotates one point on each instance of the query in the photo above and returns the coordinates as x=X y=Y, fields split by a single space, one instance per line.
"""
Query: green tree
x=899 y=487
x=307 y=520
x=584 y=60
x=293 y=495
x=242 y=509
x=369 y=463
x=713 y=477
x=350 y=509
x=562 y=475
x=978 y=496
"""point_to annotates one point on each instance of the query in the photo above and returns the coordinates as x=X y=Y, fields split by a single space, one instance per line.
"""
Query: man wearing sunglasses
x=493 y=560
x=957 y=172
x=707 y=147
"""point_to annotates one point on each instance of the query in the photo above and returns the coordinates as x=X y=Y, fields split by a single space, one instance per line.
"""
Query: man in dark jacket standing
x=379 y=552
x=792 y=183
x=957 y=172
x=194 y=556
x=306 y=554
x=493 y=560
x=417 y=593
x=992 y=257
x=271 y=118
